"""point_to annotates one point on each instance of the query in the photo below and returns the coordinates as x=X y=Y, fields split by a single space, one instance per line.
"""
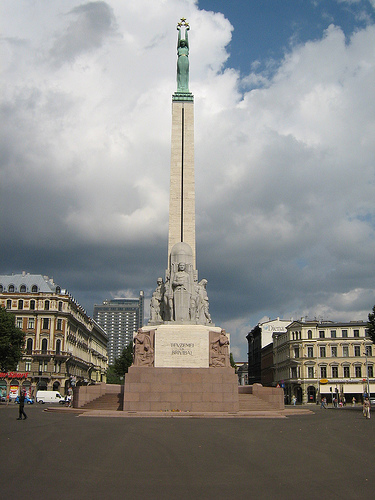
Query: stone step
x=106 y=402
x=249 y=402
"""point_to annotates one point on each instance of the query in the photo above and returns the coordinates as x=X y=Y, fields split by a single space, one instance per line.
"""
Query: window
x=9 y=304
x=58 y=289
x=11 y=288
x=333 y=334
x=23 y=288
x=321 y=334
x=335 y=371
x=357 y=350
x=346 y=372
x=334 y=352
x=29 y=346
x=358 y=371
x=1 y=288
x=46 y=305
x=19 y=322
x=356 y=333
x=44 y=345
x=344 y=334
x=20 y=304
x=34 y=289
x=32 y=304
x=60 y=306
x=59 y=324
x=323 y=372
x=45 y=367
x=310 y=372
x=58 y=346
x=28 y=366
x=296 y=352
x=368 y=350
x=294 y=372
x=45 y=324
x=309 y=334
x=322 y=352
x=345 y=351
x=40 y=367
x=31 y=323
x=310 y=352
x=370 y=371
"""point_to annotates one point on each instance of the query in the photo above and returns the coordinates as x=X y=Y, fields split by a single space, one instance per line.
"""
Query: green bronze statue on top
x=183 y=58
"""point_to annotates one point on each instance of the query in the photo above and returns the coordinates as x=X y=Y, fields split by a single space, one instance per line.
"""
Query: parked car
x=28 y=400
x=372 y=401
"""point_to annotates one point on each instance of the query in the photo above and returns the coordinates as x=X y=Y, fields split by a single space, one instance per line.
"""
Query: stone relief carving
x=202 y=305
x=181 y=298
x=144 y=348
x=157 y=302
x=219 y=349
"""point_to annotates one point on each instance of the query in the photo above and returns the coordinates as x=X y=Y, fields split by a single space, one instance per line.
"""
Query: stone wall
x=181 y=389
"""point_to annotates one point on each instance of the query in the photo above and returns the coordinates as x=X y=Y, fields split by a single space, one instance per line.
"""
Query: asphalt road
x=327 y=454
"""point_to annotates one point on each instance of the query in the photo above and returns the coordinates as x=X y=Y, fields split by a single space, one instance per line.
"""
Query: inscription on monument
x=180 y=347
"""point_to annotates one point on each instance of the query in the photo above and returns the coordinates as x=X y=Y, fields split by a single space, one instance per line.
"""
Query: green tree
x=120 y=366
x=12 y=341
x=232 y=362
x=371 y=324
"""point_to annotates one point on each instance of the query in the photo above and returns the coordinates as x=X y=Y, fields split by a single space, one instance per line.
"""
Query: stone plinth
x=185 y=389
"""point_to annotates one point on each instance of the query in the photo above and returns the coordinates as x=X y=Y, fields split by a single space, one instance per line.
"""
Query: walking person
x=366 y=408
x=21 y=406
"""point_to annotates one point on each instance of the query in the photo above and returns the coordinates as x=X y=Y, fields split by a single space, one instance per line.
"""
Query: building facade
x=120 y=319
x=258 y=339
x=315 y=359
x=63 y=345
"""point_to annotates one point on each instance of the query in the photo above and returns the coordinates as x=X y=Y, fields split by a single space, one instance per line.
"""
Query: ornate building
x=63 y=345
x=257 y=340
x=313 y=359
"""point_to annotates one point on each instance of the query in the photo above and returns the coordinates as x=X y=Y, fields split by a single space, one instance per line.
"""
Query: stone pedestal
x=181 y=367
x=185 y=389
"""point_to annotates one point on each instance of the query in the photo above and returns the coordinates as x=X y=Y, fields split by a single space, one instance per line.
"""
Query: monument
x=181 y=359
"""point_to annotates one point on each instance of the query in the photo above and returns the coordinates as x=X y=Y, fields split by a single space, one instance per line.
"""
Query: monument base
x=184 y=389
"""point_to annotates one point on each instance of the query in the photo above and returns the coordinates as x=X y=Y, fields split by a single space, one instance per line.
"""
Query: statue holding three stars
x=183 y=57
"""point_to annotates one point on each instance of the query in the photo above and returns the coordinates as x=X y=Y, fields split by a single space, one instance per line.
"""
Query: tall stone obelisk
x=182 y=184
x=181 y=359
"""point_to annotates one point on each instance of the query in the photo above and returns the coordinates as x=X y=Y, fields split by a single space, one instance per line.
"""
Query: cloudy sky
x=284 y=151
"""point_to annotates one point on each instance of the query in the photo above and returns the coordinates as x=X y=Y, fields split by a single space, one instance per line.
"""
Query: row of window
x=295 y=372
x=23 y=289
x=43 y=366
x=32 y=304
x=334 y=351
x=29 y=346
x=45 y=323
x=322 y=334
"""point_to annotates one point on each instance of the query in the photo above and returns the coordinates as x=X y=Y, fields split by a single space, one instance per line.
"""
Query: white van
x=48 y=397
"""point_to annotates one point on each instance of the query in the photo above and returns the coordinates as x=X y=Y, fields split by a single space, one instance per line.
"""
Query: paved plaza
x=326 y=453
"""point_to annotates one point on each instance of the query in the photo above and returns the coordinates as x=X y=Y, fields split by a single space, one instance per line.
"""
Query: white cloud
x=284 y=172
